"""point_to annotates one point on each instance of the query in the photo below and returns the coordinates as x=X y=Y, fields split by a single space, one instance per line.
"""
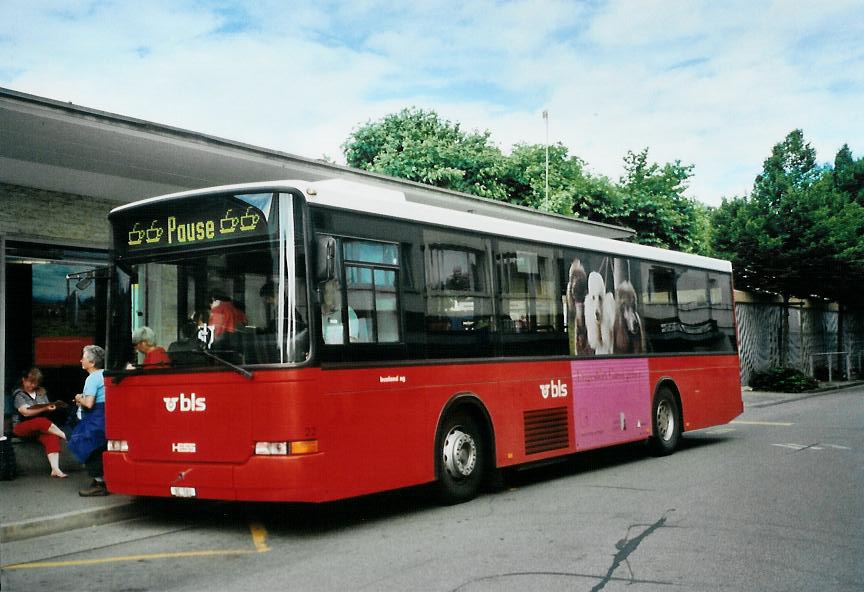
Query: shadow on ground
x=298 y=519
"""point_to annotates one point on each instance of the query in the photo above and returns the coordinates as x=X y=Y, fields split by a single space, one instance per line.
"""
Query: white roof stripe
x=347 y=195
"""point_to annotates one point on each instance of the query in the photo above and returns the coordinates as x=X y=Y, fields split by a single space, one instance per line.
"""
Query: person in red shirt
x=225 y=317
x=144 y=339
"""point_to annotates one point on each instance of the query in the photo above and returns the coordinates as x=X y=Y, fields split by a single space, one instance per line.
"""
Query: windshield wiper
x=243 y=371
x=136 y=370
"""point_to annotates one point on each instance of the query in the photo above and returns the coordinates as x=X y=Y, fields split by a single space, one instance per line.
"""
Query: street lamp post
x=546 y=119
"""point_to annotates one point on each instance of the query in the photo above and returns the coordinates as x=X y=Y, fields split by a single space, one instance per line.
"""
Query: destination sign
x=187 y=225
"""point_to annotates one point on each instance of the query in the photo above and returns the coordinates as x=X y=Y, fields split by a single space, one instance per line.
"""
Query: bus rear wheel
x=460 y=458
x=667 y=423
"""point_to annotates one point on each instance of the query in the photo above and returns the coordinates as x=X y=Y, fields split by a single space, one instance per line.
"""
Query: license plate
x=183 y=491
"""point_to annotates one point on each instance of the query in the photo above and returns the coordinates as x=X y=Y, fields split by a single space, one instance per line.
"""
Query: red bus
x=331 y=339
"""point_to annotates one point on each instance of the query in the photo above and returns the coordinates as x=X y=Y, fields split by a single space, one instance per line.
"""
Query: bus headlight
x=286 y=448
x=118 y=446
x=271 y=448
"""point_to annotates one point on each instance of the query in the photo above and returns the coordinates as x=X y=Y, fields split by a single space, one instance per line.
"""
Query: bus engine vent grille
x=546 y=429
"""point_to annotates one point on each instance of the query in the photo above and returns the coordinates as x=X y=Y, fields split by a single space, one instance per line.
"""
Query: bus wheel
x=667 y=423
x=460 y=458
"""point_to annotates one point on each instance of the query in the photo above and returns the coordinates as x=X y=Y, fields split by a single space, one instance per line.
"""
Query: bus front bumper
x=260 y=478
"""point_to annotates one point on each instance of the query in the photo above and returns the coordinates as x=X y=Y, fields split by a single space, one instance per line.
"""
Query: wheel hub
x=665 y=421
x=459 y=454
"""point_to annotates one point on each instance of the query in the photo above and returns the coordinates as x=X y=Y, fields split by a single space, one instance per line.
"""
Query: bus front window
x=242 y=303
x=226 y=304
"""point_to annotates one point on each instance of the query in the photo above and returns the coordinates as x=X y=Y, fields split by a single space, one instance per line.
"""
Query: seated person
x=268 y=299
x=205 y=331
x=144 y=340
x=32 y=406
x=225 y=316
x=189 y=340
x=331 y=316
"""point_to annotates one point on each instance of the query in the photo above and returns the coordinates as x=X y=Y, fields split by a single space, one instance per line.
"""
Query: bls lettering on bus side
x=555 y=389
x=192 y=403
x=190 y=231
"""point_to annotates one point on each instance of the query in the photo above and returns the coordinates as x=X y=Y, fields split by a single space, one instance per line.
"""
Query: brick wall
x=34 y=214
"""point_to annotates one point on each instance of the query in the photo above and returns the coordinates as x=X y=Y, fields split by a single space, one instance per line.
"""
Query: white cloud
x=712 y=84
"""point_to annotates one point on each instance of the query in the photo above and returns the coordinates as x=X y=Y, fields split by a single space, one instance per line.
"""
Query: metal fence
x=813 y=344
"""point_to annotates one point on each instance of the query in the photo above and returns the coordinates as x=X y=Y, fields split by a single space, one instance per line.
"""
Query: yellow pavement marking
x=173 y=555
x=259 y=539
x=762 y=423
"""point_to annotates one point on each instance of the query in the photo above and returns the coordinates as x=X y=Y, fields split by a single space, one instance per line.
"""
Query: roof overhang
x=48 y=144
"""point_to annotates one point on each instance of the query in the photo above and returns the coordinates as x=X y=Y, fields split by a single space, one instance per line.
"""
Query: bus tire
x=666 y=422
x=460 y=458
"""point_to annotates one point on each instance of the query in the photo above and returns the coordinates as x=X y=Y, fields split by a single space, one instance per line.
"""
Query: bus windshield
x=203 y=296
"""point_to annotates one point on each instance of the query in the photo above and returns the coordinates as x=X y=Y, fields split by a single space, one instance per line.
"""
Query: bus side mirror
x=326 y=263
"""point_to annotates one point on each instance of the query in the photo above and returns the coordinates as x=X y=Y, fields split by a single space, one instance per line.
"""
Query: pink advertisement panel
x=611 y=401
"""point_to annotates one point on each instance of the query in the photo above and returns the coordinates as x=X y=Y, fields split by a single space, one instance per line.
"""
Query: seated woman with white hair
x=144 y=340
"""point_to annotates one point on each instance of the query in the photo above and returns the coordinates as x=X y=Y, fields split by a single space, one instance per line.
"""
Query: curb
x=36 y=527
x=792 y=397
x=839 y=386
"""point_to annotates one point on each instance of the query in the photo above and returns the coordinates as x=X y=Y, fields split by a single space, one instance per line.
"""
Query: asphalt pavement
x=34 y=504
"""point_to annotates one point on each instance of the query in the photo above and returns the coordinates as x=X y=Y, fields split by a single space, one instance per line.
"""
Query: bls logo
x=554 y=389
x=191 y=403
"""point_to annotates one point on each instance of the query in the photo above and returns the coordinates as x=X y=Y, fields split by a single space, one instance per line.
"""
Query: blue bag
x=89 y=434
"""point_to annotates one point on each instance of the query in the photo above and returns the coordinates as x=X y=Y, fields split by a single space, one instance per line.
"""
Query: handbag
x=89 y=434
x=8 y=465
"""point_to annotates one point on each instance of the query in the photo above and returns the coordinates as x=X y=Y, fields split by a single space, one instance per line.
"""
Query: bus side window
x=530 y=307
x=458 y=289
x=371 y=270
x=459 y=317
x=529 y=291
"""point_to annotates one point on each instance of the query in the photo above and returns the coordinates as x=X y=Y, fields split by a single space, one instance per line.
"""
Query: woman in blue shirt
x=88 y=441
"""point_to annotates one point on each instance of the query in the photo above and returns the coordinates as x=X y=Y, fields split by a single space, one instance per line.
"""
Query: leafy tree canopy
x=572 y=190
x=848 y=175
x=801 y=230
x=418 y=145
x=656 y=205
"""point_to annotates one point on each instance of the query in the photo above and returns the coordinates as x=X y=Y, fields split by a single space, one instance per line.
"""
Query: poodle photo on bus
x=599 y=315
x=628 y=330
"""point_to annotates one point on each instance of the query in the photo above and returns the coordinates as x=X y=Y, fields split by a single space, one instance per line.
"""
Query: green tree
x=702 y=229
x=801 y=231
x=778 y=238
x=572 y=190
x=731 y=238
x=418 y=145
x=848 y=175
x=655 y=205
x=842 y=225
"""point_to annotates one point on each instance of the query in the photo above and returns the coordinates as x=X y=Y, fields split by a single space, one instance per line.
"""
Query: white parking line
x=819 y=446
x=799 y=446
x=784 y=424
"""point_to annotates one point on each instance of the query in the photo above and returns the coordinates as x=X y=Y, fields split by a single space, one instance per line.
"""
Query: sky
x=712 y=84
